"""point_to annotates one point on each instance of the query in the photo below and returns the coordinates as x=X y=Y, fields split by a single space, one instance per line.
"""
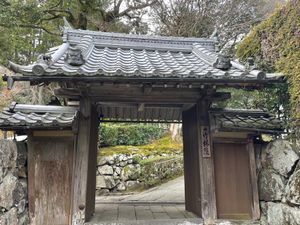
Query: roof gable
x=99 y=54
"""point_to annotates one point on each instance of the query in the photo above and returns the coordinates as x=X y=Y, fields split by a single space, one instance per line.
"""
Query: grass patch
x=155 y=159
x=163 y=145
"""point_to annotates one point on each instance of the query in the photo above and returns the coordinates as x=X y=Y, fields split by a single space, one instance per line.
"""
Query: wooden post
x=253 y=177
x=84 y=175
x=191 y=161
x=206 y=162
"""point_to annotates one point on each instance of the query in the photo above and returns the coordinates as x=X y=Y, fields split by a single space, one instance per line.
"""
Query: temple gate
x=131 y=78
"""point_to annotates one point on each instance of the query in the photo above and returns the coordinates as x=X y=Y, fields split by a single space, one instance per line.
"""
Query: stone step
x=192 y=221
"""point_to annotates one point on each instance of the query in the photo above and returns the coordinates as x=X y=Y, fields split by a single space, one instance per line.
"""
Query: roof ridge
x=146 y=37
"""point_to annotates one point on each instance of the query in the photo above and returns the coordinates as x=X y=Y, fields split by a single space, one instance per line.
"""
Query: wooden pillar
x=191 y=161
x=199 y=162
x=253 y=176
x=84 y=182
x=206 y=163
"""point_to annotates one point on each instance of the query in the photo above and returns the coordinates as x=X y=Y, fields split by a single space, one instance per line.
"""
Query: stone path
x=160 y=205
x=170 y=192
x=163 y=205
x=123 y=214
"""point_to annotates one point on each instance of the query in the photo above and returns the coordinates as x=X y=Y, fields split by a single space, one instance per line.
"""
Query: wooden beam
x=206 y=162
x=141 y=95
x=255 y=83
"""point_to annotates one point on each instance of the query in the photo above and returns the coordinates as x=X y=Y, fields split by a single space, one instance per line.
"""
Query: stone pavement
x=160 y=205
x=163 y=205
x=170 y=192
x=123 y=214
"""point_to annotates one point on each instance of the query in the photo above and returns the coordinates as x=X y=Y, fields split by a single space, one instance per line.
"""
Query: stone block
x=275 y=214
x=7 y=190
x=121 y=186
x=106 y=170
x=293 y=189
x=271 y=186
x=280 y=156
x=8 y=154
x=292 y=215
x=130 y=172
x=105 y=182
x=132 y=184
x=9 y=218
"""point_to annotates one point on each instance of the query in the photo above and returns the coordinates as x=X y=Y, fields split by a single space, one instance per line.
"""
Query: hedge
x=128 y=134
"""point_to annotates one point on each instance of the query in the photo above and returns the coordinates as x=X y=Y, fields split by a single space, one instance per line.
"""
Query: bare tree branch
x=140 y=6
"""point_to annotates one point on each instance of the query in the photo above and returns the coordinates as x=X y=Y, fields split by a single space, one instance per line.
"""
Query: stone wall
x=279 y=183
x=13 y=183
x=126 y=172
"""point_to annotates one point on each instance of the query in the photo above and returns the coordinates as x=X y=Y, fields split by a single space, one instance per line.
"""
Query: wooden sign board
x=205 y=142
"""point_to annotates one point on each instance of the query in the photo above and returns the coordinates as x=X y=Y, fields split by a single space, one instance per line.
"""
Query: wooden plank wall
x=50 y=163
x=233 y=188
x=191 y=161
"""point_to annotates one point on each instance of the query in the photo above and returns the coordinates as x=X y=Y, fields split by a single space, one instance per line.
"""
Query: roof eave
x=89 y=79
x=258 y=131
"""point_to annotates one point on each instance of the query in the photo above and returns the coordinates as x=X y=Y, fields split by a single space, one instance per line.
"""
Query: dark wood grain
x=191 y=162
x=49 y=177
x=207 y=176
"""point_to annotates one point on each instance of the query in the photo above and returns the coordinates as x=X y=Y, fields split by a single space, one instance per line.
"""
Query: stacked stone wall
x=279 y=182
x=126 y=172
x=13 y=183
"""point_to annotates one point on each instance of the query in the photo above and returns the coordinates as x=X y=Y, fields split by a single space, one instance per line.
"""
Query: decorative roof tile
x=100 y=54
x=20 y=116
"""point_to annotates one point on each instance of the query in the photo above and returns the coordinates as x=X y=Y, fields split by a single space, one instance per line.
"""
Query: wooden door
x=191 y=161
x=233 y=181
x=50 y=162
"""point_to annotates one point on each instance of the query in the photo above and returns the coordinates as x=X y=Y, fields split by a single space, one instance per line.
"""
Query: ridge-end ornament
x=74 y=57
x=222 y=62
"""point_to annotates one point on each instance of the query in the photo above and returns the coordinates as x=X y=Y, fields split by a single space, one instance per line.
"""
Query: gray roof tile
x=20 y=116
x=246 y=120
x=123 y=55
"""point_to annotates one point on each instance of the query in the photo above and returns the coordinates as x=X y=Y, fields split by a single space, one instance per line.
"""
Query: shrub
x=128 y=134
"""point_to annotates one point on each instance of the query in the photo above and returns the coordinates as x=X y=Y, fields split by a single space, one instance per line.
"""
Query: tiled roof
x=100 y=54
x=20 y=116
x=32 y=117
x=246 y=120
x=224 y=119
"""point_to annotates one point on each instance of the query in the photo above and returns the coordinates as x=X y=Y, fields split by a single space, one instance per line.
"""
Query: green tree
x=275 y=44
x=31 y=27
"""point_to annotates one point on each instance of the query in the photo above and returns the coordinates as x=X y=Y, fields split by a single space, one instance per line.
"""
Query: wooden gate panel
x=50 y=167
x=233 y=183
x=191 y=161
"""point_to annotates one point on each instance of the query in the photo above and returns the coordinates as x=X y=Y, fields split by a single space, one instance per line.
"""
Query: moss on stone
x=275 y=43
x=163 y=145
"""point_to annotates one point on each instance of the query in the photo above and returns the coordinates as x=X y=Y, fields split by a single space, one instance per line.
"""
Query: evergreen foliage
x=275 y=44
x=112 y=134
